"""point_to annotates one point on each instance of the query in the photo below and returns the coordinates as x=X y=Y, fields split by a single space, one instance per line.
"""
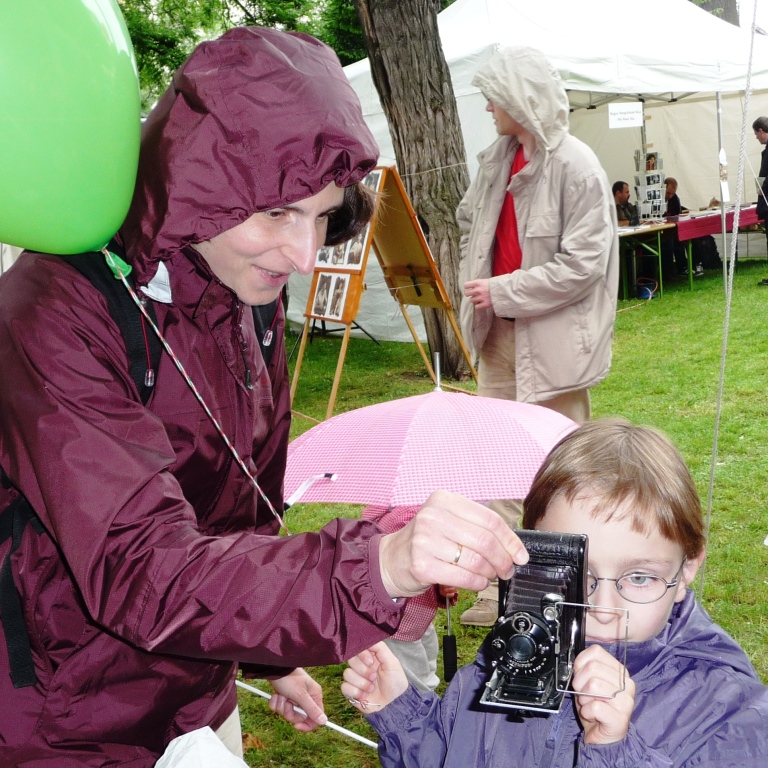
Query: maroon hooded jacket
x=158 y=570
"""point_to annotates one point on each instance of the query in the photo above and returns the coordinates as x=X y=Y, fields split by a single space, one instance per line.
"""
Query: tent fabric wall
x=8 y=254
x=685 y=135
x=603 y=49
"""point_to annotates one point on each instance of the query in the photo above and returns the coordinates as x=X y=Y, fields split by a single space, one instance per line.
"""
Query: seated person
x=691 y=697
x=672 y=242
x=674 y=207
x=626 y=213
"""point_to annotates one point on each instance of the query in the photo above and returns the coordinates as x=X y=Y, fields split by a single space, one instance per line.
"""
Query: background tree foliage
x=164 y=32
x=727 y=10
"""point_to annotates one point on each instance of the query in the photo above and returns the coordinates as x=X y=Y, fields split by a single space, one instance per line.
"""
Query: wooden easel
x=406 y=262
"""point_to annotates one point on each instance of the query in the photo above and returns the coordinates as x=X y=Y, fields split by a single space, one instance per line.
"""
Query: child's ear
x=690 y=569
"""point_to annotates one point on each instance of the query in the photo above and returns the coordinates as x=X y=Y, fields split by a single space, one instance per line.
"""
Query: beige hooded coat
x=564 y=296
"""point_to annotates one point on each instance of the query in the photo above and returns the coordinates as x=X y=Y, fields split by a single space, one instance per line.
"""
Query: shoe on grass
x=482 y=614
x=764 y=281
x=698 y=270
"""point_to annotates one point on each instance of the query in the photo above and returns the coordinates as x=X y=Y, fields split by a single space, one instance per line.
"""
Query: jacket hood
x=254 y=120
x=523 y=82
x=689 y=633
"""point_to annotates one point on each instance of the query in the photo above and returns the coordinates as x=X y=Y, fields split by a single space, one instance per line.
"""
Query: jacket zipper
x=240 y=339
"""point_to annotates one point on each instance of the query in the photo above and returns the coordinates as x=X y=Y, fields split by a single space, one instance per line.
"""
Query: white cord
x=328 y=724
x=728 y=298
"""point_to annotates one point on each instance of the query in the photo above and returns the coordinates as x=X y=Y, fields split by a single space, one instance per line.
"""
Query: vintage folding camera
x=540 y=629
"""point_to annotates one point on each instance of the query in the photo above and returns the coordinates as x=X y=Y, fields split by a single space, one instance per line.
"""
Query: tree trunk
x=414 y=85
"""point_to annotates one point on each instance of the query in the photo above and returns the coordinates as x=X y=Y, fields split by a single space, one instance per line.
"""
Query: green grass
x=666 y=366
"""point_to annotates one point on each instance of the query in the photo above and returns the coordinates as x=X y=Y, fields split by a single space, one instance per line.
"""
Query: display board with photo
x=330 y=296
x=649 y=194
x=649 y=180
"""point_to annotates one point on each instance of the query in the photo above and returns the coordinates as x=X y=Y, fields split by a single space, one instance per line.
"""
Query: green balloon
x=71 y=123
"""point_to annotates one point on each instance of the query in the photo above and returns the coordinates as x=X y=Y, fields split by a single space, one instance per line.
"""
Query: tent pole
x=721 y=155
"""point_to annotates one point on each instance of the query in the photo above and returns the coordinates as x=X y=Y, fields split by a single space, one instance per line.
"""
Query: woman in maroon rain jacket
x=143 y=585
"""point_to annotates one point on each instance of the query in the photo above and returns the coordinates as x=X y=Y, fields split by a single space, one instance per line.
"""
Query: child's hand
x=373 y=679
x=604 y=720
x=446 y=595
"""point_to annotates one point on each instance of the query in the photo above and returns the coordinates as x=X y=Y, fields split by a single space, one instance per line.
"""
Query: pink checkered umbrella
x=396 y=453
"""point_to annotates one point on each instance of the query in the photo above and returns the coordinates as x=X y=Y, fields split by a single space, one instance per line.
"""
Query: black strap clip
x=13 y=521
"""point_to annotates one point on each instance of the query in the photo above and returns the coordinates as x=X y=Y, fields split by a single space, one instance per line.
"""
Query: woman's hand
x=605 y=720
x=298 y=690
x=373 y=679
x=451 y=541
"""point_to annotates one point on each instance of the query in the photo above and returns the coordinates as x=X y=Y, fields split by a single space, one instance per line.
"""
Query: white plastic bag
x=198 y=749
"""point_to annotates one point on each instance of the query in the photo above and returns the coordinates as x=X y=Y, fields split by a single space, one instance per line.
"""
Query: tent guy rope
x=728 y=300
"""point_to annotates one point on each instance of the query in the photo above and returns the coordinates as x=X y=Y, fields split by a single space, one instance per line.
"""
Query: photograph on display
x=651 y=161
x=322 y=295
x=649 y=194
x=324 y=254
x=653 y=178
x=355 y=250
x=337 y=257
x=338 y=297
x=646 y=210
x=372 y=180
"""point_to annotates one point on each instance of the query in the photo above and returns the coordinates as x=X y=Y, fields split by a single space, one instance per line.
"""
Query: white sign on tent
x=622 y=115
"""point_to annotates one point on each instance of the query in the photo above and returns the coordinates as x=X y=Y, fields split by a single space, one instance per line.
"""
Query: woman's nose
x=305 y=240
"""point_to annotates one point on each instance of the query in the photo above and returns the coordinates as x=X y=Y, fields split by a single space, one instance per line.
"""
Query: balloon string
x=115 y=267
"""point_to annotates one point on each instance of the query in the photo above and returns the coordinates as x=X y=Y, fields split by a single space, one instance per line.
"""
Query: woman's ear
x=690 y=569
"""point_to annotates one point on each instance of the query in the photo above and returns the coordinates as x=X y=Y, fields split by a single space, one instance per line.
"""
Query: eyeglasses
x=638 y=587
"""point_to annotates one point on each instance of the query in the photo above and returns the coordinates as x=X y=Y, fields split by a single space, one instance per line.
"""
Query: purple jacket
x=158 y=570
x=698 y=703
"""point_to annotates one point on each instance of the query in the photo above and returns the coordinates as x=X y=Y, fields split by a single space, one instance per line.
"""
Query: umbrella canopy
x=396 y=453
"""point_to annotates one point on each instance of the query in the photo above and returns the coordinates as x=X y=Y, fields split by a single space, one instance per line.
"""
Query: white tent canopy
x=657 y=50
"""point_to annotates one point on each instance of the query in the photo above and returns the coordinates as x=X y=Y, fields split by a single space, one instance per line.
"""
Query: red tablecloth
x=699 y=226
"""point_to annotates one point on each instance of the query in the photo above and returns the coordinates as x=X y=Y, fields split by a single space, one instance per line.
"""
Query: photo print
x=651 y=161
x=649 y=194
x=323 y=257
x=372 y=180
x=338 y=297
x=337 y=257
x=322 y=294
x=355 y=249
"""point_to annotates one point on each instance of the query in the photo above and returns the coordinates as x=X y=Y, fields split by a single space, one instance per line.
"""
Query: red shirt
x=507 y=254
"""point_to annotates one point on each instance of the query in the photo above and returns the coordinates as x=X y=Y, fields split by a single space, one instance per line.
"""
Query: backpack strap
x=13 y=520
x=139 y=342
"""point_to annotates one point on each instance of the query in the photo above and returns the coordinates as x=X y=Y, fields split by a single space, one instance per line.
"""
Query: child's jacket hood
x=254 y=120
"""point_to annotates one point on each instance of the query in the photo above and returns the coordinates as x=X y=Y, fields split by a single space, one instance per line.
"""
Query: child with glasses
x=689 y=697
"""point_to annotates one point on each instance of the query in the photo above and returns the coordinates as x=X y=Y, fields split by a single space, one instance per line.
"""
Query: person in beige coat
x=539 y=255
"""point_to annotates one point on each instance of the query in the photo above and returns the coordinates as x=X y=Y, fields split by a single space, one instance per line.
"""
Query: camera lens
x=522 y=648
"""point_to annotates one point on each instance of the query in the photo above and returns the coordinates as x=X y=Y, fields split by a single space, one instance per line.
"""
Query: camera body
x=540 y=629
